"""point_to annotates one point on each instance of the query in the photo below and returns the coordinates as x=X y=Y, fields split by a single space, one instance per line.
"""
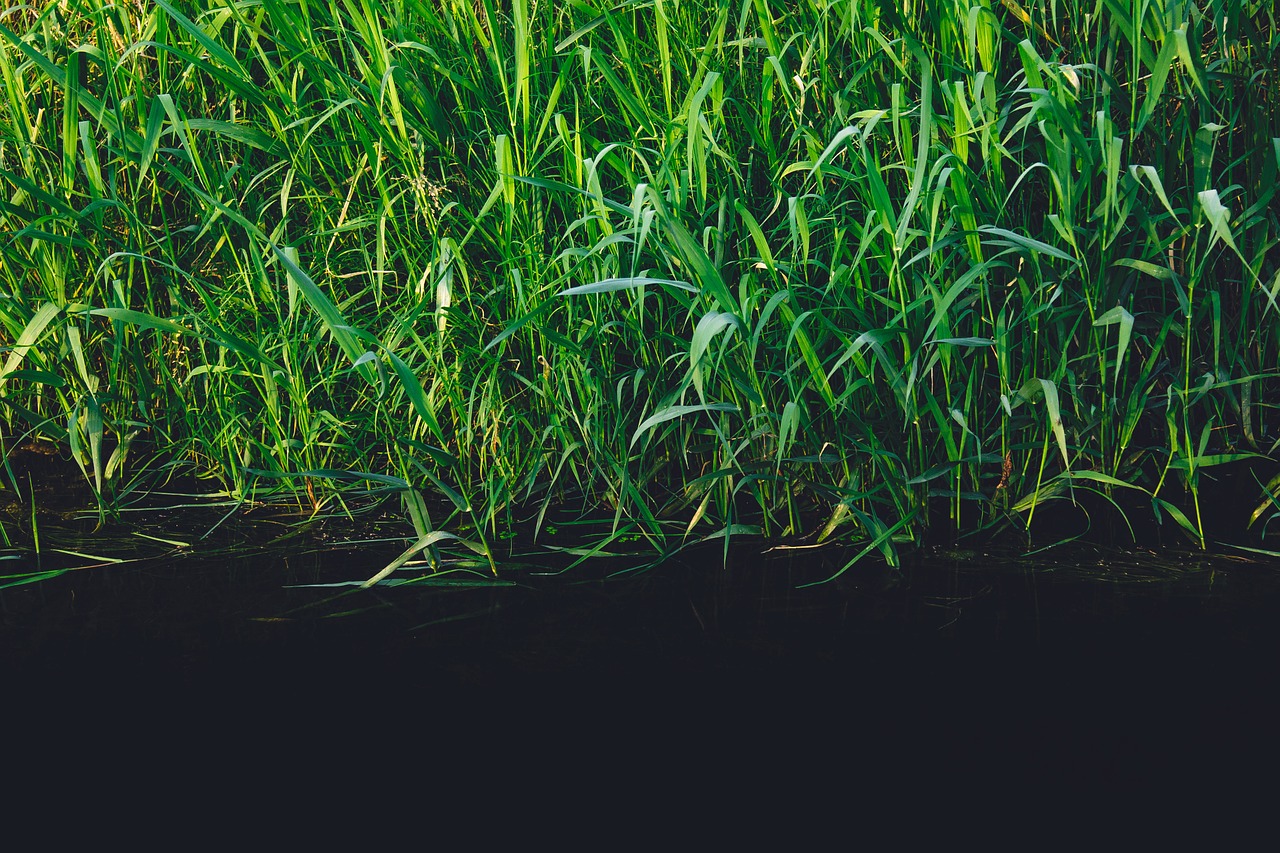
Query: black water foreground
x=1109 y=666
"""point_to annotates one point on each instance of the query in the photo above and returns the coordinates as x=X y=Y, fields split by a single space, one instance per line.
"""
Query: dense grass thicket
x=814 y=269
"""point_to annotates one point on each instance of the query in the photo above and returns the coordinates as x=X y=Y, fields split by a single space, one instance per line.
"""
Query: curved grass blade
x=673 y=412
x=609 y=285
x=27 y=338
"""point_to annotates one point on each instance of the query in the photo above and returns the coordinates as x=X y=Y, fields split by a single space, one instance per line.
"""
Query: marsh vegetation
x=828 y=270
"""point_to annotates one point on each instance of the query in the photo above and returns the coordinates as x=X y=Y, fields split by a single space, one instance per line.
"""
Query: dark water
x=1104 y=665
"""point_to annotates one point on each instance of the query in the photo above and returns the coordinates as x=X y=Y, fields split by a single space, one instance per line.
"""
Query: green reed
x=805 y=270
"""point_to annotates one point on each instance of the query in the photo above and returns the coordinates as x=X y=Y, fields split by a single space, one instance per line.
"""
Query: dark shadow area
x=1108 y=666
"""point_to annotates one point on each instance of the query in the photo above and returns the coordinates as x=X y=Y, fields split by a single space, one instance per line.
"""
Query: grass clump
x=817 y=270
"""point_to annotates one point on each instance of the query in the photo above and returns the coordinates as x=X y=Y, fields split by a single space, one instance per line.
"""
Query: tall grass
x=810 y=270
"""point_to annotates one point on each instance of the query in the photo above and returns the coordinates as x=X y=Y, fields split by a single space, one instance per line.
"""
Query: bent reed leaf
x=673 y=412
x=609 y=285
